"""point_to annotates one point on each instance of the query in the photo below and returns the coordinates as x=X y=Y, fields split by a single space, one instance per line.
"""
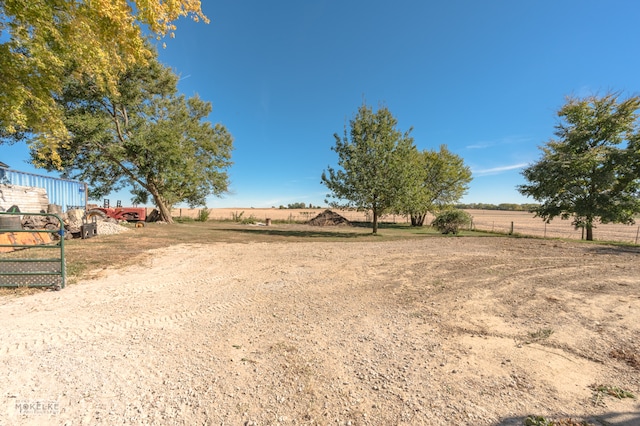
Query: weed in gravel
x=543 y=333
x=535 y=336
x=541 y=421
x=536 y=421
x=600 y=391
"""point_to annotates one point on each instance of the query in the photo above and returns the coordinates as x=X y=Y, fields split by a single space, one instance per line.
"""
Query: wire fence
x=523 y=223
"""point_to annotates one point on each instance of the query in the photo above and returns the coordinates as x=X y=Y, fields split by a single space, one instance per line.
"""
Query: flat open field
x=289 y=325
x=486 y=220
x=295 y=215
x=525 y=224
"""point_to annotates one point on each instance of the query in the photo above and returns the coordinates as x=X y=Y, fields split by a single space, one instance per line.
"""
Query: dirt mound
x=329 y=218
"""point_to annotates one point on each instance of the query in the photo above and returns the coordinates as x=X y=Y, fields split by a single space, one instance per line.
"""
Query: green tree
x=373 y=157
x=438 y=180
x=587 y=173
x=40 y=39
x=145 y=136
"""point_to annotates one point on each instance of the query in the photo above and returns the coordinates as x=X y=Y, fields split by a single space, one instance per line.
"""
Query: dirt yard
x=427 y=331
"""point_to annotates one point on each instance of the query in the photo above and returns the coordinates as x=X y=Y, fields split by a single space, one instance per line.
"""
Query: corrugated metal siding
x=66 y=193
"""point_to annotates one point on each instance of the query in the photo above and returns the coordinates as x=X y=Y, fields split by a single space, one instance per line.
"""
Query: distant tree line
x=502 y=206
x=299 y=206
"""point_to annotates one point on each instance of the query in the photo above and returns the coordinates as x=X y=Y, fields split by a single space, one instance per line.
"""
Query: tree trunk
x=418 y=219
x=375 y=221
x=589 y=227
x=163 y=209
x=165 y=212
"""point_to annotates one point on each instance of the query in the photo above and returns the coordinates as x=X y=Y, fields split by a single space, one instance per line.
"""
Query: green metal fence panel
x=33 y=263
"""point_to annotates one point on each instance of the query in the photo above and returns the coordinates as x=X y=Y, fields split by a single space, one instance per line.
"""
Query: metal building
x=66 y=193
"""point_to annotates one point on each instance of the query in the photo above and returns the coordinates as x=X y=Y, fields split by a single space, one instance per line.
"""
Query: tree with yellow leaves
x=42 y=40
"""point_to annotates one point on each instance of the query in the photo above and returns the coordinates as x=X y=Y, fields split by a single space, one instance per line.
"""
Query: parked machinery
x=136 y=215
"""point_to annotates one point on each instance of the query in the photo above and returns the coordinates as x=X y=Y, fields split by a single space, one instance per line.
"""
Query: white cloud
x=498 y=170
x=479 y=145
x=507 y=140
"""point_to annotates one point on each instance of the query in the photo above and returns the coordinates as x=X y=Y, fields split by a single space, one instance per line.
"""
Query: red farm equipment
x=136 y=215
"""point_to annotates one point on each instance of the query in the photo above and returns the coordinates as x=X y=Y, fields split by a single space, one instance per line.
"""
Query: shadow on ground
x=298 y=233
x=606 y=419
x=616 y=249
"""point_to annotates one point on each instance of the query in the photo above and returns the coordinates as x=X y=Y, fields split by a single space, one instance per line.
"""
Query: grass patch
x=535 y=336
x=541 y=334
x=601 y=391
x=542 y=421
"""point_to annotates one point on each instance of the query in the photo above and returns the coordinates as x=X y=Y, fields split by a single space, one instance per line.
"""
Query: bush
x=450 y=221
x=203 y=215
x=251 y=220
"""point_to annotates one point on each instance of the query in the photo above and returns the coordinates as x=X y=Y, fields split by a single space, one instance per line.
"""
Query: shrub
x=203 y=215
x=450 y=221
x=249 y=220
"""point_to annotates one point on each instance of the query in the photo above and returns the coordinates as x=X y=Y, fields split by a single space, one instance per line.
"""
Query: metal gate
x=31 y=258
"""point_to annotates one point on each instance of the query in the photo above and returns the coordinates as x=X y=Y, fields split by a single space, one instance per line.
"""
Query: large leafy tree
x=590 y=172
x=372 y=157
x=438 y=180
x=40 y=39
x=143 y=135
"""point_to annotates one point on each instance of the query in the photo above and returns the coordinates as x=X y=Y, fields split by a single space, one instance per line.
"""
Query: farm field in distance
x=484 y=220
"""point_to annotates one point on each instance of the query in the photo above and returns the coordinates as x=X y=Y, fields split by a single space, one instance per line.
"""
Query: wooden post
x=637 y=232
x=511 y=232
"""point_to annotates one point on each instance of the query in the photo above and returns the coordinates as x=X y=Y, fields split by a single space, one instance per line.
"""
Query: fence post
x=511 y=232
x=637 y=232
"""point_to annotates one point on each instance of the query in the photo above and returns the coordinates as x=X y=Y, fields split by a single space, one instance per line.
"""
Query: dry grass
x=85 y=256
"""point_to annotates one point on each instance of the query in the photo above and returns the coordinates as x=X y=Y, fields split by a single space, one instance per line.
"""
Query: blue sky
x=483 y=77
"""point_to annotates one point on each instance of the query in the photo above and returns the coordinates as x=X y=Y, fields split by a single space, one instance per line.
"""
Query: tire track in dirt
x=84 y=330
x=223 y=293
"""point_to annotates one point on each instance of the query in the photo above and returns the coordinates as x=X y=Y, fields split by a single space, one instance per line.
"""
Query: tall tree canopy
x=41 y=39
x=438 y=179
x=590 y=172
x=143 y=134
x=372 y=156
